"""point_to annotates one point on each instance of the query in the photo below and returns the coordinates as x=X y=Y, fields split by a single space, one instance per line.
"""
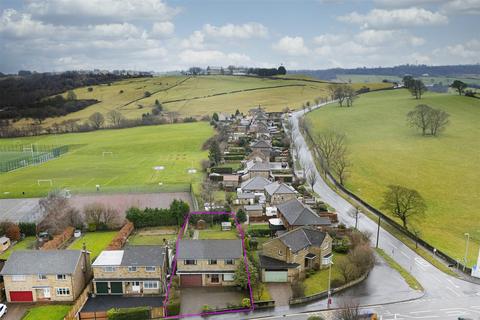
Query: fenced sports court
x=13 y=157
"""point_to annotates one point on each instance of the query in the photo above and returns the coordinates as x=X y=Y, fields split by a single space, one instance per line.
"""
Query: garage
x=276 y=276
x=21 y=296
x=101 y=287
x=116 y=288
x=191 y=280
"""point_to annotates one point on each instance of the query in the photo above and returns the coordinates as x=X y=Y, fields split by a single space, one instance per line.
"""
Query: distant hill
x=400 y=71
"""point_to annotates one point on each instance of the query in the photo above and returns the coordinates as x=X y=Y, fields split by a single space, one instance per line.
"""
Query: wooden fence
x=82 y=298
x=99 y=315
x=59 y=240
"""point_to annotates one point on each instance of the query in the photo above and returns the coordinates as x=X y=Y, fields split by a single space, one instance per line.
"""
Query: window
x=132 y=269
x=150 y=269
x=63 y=291
x=61 y=277
x=18 y=278
x=150 y=284
x=229 y=261
x=228 y=277
x=280 y=253
x=214 y=278
x=42 y=277
x=109 y=269
x=190 y=262
x=212 y=261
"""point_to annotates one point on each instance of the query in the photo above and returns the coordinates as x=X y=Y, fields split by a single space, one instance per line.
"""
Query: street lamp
x=329 y=300
x=467 y=235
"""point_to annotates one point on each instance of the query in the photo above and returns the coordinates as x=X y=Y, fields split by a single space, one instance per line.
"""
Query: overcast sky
x=46 y=35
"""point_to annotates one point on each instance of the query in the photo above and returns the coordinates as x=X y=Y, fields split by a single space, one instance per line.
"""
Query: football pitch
x=154 y=158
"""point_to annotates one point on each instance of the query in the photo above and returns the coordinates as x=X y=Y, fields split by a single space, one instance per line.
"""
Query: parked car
x=3 y=310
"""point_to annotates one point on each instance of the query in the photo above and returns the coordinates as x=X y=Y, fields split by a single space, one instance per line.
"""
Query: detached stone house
x=46 y=275
x=255 y=185
x=135 y=270
x=277 y=193
x=208 y=262
x=263 y=147
x=295 y=214
x=285 y=259
x=260 y=169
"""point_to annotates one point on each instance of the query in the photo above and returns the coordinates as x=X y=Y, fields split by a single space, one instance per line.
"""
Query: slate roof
x=246 y=196
x=278 y=188
x=34 y=262
x=139 y=256
x=255 y=183
x=209 y=249
x=274 y=264
x=301 y=238
x=253 y=207
x=297 y=214
x=143 y=256
x=261 y=144
x=260 y=166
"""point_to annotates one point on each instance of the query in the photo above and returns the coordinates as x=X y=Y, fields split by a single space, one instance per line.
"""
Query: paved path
x=280 y=292
x=196 y=234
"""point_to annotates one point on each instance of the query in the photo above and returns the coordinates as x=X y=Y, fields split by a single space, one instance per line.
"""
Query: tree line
x=22 y=96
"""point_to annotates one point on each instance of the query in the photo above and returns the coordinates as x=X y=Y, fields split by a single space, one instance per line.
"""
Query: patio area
x=193 y=299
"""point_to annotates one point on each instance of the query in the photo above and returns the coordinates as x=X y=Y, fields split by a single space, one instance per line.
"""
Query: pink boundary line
x=174 y=269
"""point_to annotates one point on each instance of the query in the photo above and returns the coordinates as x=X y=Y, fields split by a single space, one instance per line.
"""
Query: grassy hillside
x=134 y=154
x=198 y=96
x=444 y=169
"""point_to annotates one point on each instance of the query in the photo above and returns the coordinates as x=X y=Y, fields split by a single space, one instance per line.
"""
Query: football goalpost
x=107 y=153
x=44 y=181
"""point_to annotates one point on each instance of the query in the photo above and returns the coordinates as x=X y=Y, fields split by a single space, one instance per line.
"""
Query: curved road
x=445 y=297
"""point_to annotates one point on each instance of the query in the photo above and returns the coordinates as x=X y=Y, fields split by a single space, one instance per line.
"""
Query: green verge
x=411 y=281
x=52 y=312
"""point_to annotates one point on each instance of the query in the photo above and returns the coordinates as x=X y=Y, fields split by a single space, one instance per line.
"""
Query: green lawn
x=135 y=153
x=24 y=244
x=215 y=233
x=95 y=242
x=384 y=150
x=150 y=236
x=318 y=282
x=52 y=312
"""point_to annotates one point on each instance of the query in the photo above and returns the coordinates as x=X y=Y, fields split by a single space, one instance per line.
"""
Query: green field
x=95 y=242
x=135 y=152
x=198 y=96
x=384 y=150
x=355 y=78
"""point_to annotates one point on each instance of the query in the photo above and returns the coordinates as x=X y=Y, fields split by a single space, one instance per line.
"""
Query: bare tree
x=417 y=88
x=438 y=121
x=330 y=144
x=97 y=120
x=98 y=214
x=419 y=117
x=115 y=117
x=340 y=164
x=58 y=214
x=311 y=177
x=403 y=203
x=350 y=95
x=348 y=311
x=354 y=212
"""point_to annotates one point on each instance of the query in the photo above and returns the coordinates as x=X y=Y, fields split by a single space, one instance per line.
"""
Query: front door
x=215 y=278
x=136 y=287
x=46 y=293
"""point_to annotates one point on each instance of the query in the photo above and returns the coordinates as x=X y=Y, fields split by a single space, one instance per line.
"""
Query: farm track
x=232 y=92
x=153 y=93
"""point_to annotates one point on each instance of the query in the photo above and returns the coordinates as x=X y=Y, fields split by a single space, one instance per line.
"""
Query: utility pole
x=329 y=300
x=467 y=235
x=378 y=231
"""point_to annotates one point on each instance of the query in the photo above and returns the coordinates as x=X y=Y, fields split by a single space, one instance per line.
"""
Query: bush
x=315 y=318
x=259 y=233
x=173 y=308
x=246 y=303
x=336 y=283
x=221 y=170
x=241 y=216
x=28 y=228
x=298 y=290
x=11 y=230
x=149 y=217
x=92 y=226
x=121 y=237
x=138 y=313
x=206 y=308
x=341 y=248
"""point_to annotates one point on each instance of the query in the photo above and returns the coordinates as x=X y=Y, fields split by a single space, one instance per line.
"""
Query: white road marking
x=406 y=255
x=453 y=284
x=421 y=311
x=454 y=292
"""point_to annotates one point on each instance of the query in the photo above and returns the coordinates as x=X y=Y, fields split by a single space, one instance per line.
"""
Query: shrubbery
x=28 y=228
x=138 y=313
x=153 y=217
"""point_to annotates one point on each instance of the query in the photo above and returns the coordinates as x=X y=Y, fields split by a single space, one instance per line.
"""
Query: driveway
x=280 y=292
x=16 y=311
x=193 y=299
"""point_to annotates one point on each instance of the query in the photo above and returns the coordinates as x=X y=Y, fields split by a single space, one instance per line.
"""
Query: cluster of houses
x=263 y=187
x=300 y=239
